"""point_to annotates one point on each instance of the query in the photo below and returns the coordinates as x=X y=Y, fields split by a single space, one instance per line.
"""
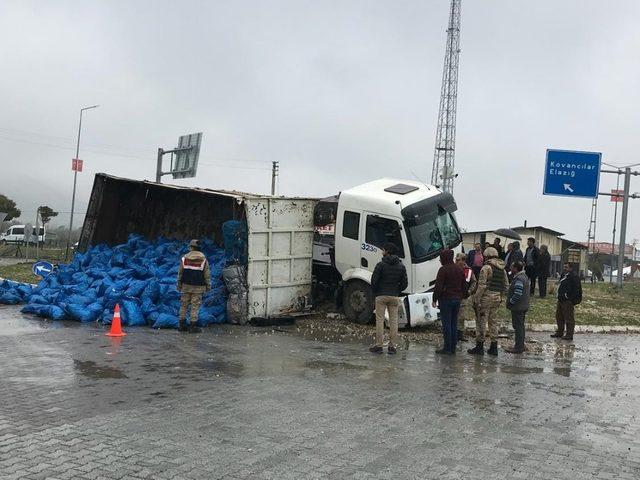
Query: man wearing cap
x=194 y=278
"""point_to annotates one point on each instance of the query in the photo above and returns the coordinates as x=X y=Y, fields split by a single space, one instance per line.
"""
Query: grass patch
x=50 y=254
x=20 y=272
x=602 y=304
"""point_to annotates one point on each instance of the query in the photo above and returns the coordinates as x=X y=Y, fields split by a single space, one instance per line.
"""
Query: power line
x=124 y=155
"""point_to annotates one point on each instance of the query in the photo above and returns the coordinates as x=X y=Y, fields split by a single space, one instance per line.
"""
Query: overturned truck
x=279 y=233
x=295 y=247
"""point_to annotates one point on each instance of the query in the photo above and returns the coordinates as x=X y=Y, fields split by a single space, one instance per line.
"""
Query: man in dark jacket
x=512 y=256
x=388 y=281
x=543 y=268
x=447 y=294
x=569 y=295
x=518 y=304
x=531 y=255
x=498 y=247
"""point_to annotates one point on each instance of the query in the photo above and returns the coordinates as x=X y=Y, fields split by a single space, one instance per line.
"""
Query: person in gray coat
x=518 y=304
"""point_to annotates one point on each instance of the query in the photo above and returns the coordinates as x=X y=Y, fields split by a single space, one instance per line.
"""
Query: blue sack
x=132 y=313
x=166 y=320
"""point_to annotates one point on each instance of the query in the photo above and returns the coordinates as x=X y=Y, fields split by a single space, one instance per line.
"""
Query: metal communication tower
x=443 y=173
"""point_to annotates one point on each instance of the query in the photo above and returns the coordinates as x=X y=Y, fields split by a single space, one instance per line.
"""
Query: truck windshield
x=429 y=232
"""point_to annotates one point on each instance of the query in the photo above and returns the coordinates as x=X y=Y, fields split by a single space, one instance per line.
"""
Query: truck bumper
x=416 y=310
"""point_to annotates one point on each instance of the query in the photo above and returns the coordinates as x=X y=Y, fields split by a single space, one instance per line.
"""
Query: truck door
x=379 y=230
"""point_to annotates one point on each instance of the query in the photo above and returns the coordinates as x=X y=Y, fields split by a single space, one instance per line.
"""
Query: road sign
x=28 y=233
x=617 y=195
x=572 y=174
x=187 y=154
x=42 y=269
x=76 y=165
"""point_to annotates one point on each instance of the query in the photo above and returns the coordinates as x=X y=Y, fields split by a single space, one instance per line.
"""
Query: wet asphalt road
x=237 y=402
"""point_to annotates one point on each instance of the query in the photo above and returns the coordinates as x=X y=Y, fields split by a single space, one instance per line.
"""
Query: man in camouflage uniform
x=194 y=278
x=492 y=287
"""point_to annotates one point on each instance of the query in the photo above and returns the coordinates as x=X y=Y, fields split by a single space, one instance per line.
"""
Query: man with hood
x=492 y=287
x=388 y=281
x=447 y=295
x=194 y=278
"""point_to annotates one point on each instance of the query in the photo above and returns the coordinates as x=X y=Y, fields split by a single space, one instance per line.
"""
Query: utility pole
x=613 y=238
x=275 y=171
x=443 y=170
x=75 y=180
x=623 y=225
x=591 y=235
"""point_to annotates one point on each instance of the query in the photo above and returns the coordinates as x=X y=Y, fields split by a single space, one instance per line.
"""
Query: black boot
x=493 y=349
x=478 y=350
x=194 y=328
x=183 y=326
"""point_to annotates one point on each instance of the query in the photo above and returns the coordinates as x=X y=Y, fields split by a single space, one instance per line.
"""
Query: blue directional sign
x=572 y=174
x=42 y=269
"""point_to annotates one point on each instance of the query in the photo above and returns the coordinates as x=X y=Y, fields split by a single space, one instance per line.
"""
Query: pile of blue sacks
x=139 y=275
x=12 y=293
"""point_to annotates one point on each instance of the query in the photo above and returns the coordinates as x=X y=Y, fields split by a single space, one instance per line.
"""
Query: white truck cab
x=417 y=218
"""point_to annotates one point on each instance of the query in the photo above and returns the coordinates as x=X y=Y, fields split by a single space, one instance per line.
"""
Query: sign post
x=42 y=269
x=572 y=174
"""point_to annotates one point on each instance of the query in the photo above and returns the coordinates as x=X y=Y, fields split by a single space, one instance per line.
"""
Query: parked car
x=15 y=235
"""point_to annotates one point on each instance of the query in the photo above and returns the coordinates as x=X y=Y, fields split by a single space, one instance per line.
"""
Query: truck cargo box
x=279 y=239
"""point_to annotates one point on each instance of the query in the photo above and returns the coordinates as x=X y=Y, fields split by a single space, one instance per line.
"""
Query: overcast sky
x=340 y=92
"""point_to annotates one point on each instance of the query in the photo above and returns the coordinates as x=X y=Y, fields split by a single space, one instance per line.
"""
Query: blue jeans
x=449 y=308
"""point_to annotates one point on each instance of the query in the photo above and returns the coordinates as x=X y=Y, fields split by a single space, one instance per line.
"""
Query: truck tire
x=357 y=302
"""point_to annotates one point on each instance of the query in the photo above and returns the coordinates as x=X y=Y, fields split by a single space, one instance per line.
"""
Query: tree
x=8 y=206
x=47 y=213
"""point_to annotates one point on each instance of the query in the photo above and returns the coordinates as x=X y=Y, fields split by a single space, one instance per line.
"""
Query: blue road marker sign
x=42 y=269
x=572 y=174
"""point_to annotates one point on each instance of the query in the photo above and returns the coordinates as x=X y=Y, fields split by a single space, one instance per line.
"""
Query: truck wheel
x=358 y=302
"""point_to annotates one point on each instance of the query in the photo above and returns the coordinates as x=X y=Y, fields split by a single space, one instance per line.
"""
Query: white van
x=15 y=234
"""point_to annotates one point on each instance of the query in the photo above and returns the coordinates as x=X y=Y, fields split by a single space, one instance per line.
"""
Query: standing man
x=498 y=247
x=467 y=304
x=194 y=278
x=531 y=255
x=543 y=268
x=518 y=304
x=475 y=259
x=388 y=281
x=569 y=295
x=447 y=294
x=492 y=286
x=515 y=255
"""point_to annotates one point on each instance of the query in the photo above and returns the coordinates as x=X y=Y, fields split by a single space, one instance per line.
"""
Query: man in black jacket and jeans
x=389 y=279
x=531 y=255
x=569 y=295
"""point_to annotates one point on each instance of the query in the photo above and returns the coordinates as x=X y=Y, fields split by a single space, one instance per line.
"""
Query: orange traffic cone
x=116 y=327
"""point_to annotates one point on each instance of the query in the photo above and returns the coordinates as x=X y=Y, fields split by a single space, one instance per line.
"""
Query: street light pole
x=75 y=181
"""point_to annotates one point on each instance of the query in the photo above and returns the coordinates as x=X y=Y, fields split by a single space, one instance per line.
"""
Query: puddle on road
x=334 y=367
x=92 y=370
x=519 y=370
